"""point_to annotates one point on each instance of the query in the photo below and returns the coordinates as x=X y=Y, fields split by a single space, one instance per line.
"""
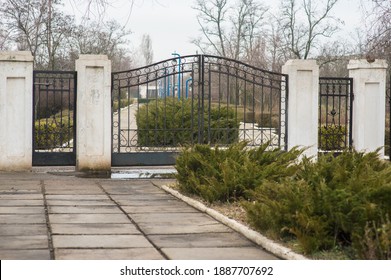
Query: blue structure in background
x=179 y=75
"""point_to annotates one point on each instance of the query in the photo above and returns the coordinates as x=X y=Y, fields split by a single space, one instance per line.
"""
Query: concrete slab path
x=52 y=216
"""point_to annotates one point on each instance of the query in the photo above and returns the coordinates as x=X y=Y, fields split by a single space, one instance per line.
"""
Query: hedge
x=173 y=122
x=52 y=135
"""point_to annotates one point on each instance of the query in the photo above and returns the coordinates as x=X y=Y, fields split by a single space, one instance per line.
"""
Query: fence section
x=54 y=121
x=335 y=114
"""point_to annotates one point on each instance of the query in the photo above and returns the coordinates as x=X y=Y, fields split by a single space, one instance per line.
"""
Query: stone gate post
x=369 y=89
x=303 y=105
x=93 y=115
x=16 y=98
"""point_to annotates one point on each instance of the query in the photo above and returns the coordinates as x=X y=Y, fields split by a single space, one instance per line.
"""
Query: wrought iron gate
x=162 y=107
x=54 y=118
x=335 y=114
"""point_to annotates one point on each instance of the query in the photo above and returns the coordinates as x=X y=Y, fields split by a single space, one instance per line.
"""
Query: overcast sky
x=172 y=23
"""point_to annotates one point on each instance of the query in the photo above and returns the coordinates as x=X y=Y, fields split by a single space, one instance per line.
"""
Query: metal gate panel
x=54 y=118
x=335 y=114
x=160 y=108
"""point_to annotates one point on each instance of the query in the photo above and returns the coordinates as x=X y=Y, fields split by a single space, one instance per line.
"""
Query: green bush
x=172 y=122
x=52 y=134
x=226 y=174
x=121 y=104
x=332 y=137
x=327 y=203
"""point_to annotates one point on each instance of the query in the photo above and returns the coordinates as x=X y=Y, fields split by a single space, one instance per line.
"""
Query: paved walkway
x=44 y=216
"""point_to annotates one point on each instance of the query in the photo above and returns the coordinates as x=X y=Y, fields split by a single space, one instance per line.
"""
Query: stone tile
x=196 y=218
x=22 y=219
x=75 y=192
x=143 y=196
x=21 y=202
x=24 y=242
x=23 y=229
x=20 y=185
x=116 y=190
x=75 y=209
x=88 y=218
x=160 y=202
x=159 y=209
x=40 y=254
x=108 y=254
x=30 y=196
x=200 y=240
x=22 y=210
x=21 y=190
x=73 y=189
x=142 y=201
x=77 y=197
x=95 y=229
x=176 y=228
x=100 y=241
x=233 y=253
x=80 y=202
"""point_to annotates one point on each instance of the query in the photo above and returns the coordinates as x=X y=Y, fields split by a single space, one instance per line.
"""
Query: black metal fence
x=335 y=114
x=54 y=111
x=162 y=107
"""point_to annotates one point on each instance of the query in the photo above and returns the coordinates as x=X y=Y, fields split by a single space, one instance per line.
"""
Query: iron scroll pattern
x=335 y=114
x=197 y=99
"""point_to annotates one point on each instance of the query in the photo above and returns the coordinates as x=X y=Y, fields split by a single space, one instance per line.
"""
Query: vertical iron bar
x=351 y=98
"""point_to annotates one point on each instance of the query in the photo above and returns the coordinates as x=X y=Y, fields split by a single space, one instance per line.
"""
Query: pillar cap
x=21 y=56
x=93 y=57
x=300 y=62
x=364 y=64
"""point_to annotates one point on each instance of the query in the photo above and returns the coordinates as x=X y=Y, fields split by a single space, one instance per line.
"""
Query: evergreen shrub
x=336 y=201
x=52 y=134
x=173 y=122
x=226 y=174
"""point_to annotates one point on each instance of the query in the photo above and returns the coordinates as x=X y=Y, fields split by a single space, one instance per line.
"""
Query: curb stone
x=269 y=245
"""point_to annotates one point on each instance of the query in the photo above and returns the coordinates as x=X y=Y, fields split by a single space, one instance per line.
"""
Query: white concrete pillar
x=369 y=89
x=303 y=105
x=16 y=98
x=93 y=130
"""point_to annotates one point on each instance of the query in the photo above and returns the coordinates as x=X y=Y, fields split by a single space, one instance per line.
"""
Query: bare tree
x=245 y=28
x=378 y=40
x=25 y=22
x=146 y=48
x=231 y=31
x=107 y=38
x=4 y=38
x=211 y=18
x=96 y=10
x=37 y=26
x=303 y=25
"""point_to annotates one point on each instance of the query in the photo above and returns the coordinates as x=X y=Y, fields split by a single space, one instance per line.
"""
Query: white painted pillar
x=369 y=89
x=303 y=105
x=16 y=98
x=93 y=130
